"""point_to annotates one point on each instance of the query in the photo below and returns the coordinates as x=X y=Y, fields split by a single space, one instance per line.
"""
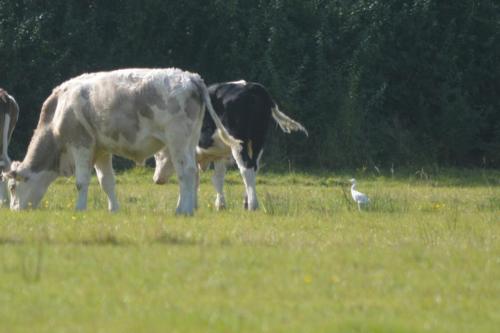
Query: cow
x=245 y=109
x=131 y=113
x=9 y=112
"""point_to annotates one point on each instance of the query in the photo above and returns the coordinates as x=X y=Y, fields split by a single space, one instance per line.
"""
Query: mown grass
x=424 y=257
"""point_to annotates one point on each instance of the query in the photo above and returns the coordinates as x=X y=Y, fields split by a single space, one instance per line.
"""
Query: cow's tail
x=286 y=123
x=7 y=124
x=5 y=134
x=227 y=138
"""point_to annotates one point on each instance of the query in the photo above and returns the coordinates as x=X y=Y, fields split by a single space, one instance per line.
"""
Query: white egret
x=360 y=198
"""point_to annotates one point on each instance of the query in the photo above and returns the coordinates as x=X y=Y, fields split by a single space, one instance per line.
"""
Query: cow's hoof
x=220 y=204
x=159 y=181
x=251 y=206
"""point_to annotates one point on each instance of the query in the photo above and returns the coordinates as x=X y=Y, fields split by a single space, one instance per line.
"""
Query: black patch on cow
x=245 y=111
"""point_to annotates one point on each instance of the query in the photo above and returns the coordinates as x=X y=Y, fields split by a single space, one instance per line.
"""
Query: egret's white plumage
x=358 y=197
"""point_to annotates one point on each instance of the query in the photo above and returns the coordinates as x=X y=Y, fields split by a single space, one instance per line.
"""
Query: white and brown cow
x=9 y=111
x=132 y=113
x=246 y=109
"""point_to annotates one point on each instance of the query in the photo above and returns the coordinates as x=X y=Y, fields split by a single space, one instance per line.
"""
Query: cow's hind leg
x=104 y=170
x=248 y=170
x=218 y=181
x=83 y=167
x=183 y=159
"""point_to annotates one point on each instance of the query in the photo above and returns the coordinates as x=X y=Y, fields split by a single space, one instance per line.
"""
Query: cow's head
x=26 y=187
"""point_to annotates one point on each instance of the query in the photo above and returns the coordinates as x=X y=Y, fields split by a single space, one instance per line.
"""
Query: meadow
x=424 y=257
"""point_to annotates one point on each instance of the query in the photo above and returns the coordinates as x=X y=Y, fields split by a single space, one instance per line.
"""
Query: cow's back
x=244 y=108
x=124 y=111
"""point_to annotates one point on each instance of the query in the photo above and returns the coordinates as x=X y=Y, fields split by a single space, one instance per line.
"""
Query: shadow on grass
x=113 y=240
x=106 y=240
x=172 y=239
x=11 y=241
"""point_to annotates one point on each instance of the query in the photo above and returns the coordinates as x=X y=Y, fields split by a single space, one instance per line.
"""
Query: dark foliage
x=375 y=82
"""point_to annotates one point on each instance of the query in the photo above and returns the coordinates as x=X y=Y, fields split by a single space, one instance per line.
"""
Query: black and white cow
x=9 y=111
x=246 y=109
x=132 y=113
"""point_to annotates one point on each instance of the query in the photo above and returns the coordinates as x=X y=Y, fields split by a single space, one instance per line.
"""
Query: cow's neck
x=44 y=152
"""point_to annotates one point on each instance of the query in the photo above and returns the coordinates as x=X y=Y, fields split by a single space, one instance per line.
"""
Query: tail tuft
x=286 y=123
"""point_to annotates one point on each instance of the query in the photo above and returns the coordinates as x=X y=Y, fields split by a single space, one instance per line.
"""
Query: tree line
x=375 y=82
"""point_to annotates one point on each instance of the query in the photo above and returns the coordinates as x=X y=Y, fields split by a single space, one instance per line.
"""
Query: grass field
x=425 y=257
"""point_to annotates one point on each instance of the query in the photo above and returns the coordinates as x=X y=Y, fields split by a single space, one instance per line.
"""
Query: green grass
x=425 y=257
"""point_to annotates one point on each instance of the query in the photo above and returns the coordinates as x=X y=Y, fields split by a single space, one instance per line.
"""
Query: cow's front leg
x=218 y=181
x=104 y=170
x=82 y=158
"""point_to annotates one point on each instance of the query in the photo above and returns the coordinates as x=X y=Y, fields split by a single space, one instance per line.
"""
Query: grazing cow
x=245 y=109
x=132 y=113
x=9 y=111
